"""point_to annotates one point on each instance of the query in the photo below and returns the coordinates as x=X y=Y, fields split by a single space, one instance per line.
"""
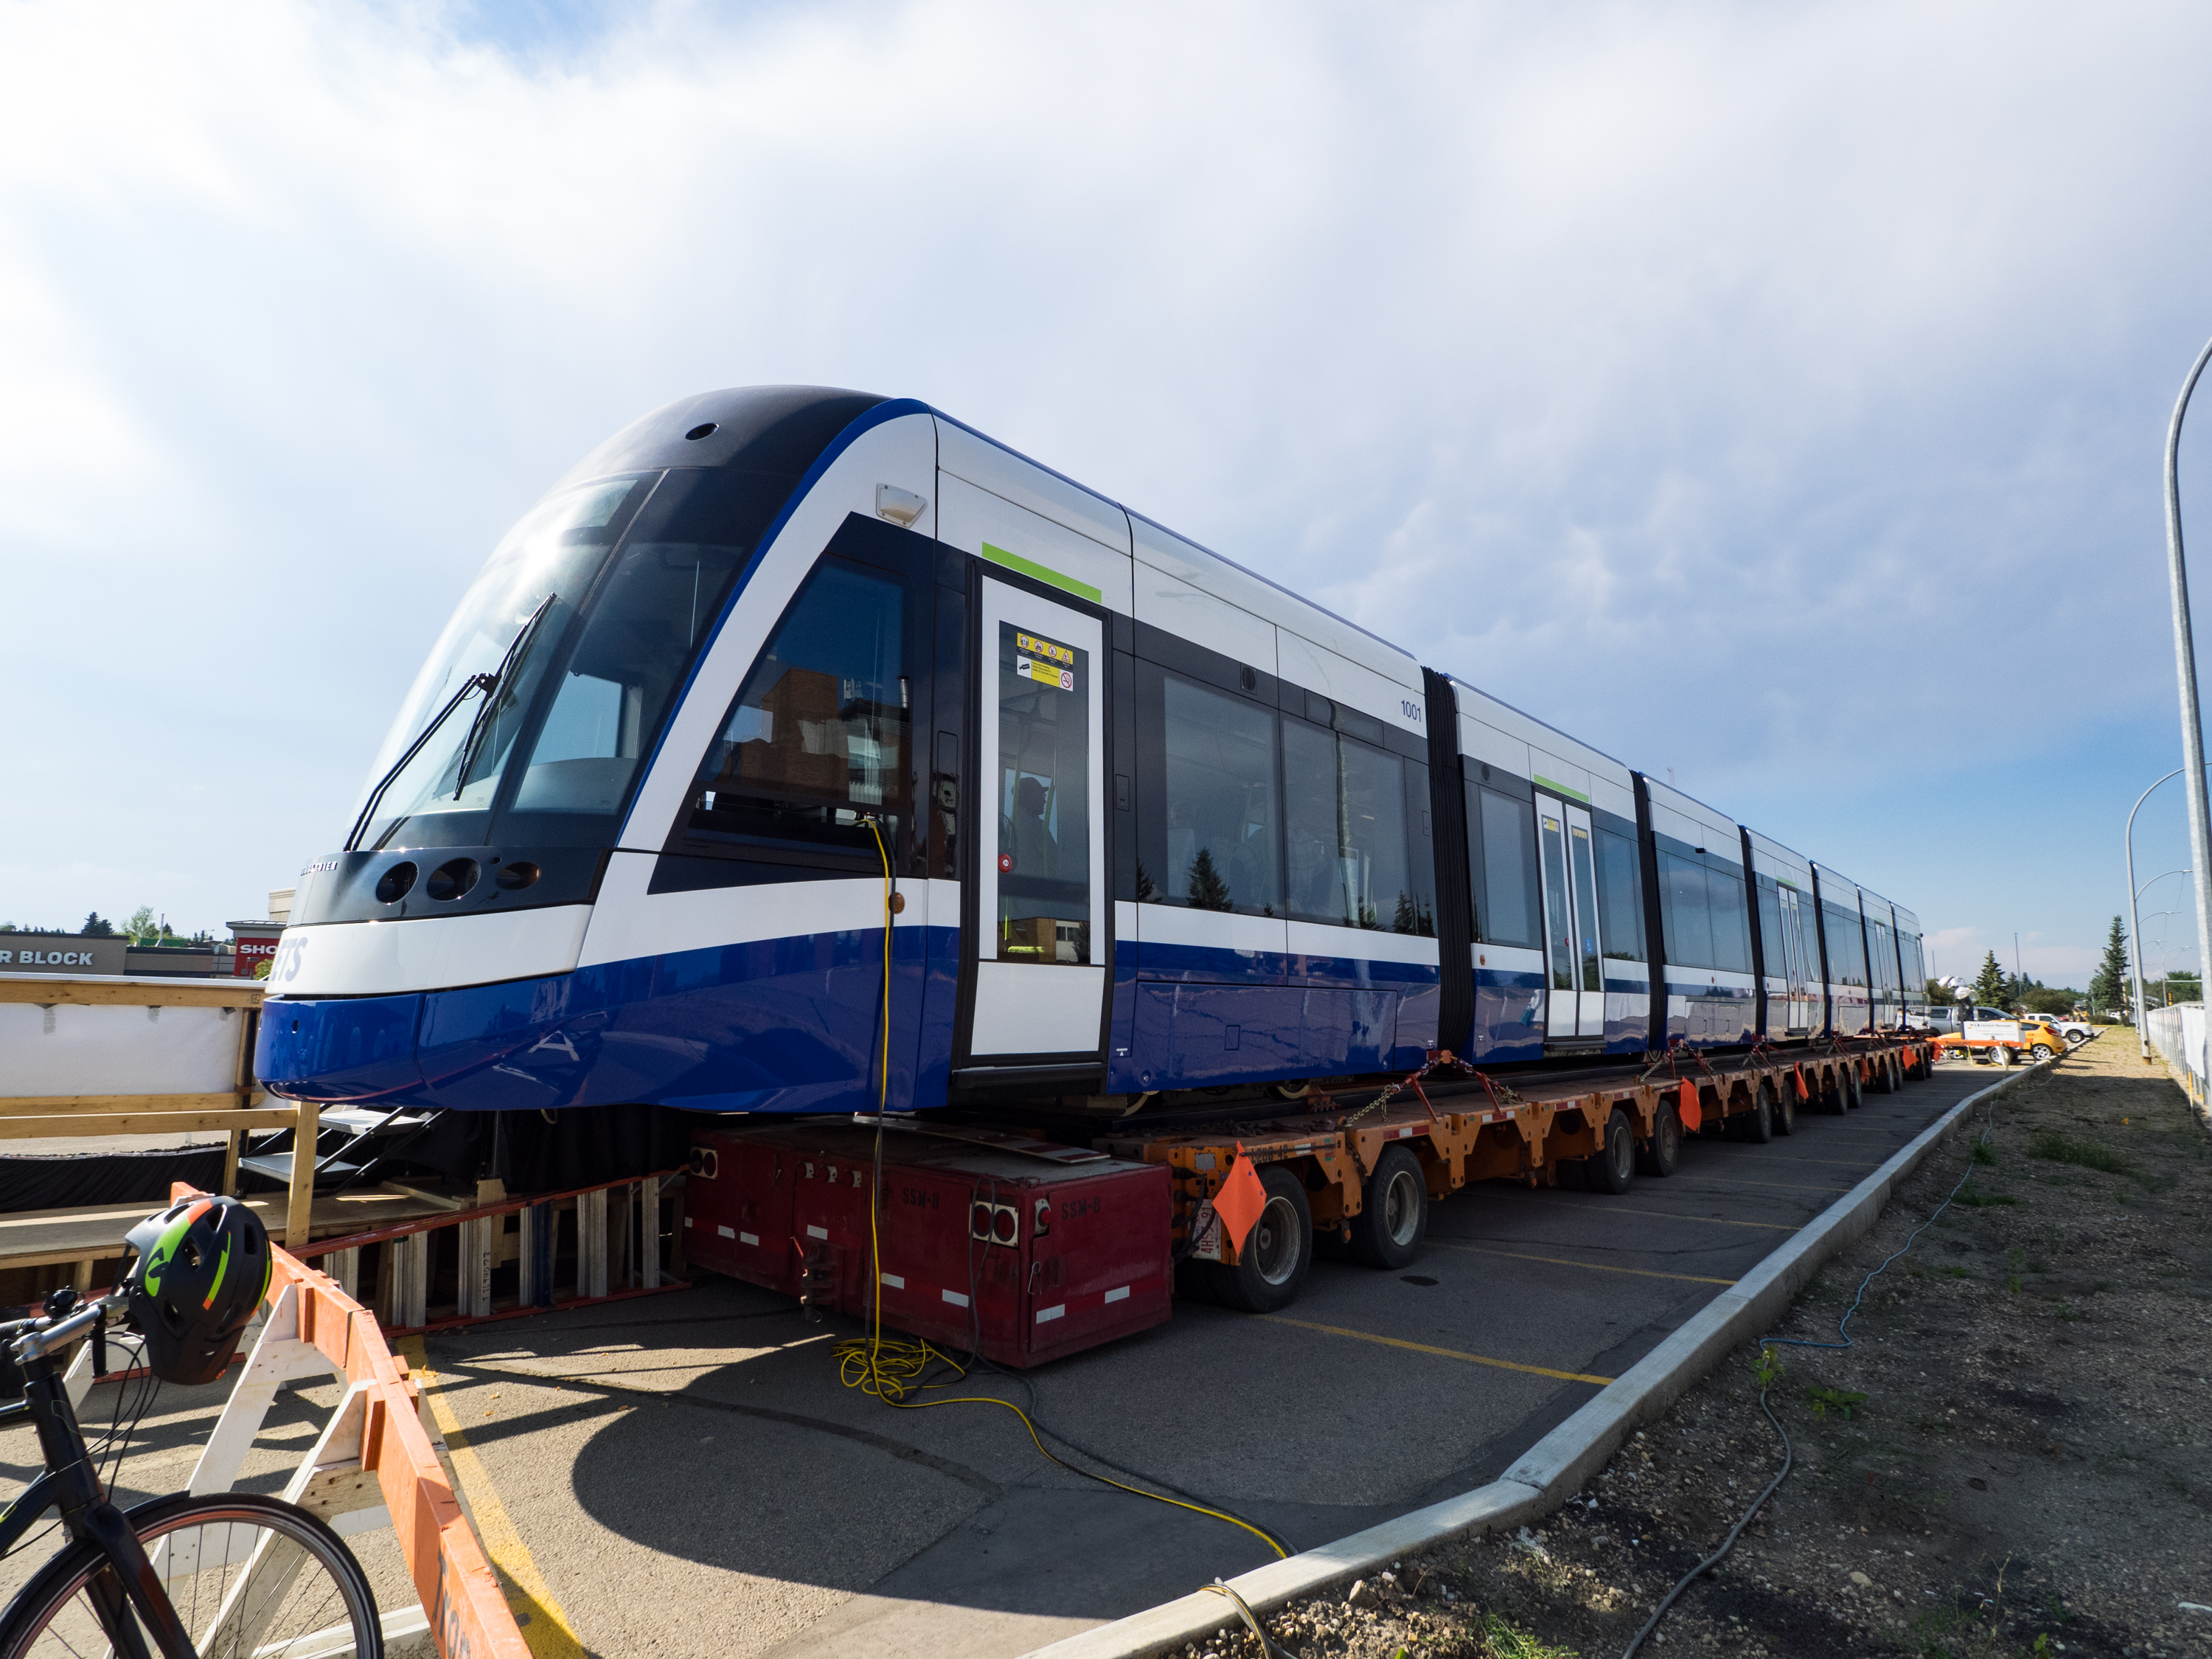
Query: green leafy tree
x=2110 y=987
x=2043 y=1000
x=1207 y=890
x=141 y=928
x=2182 y=985
x=97 y=926
x=1991 y=983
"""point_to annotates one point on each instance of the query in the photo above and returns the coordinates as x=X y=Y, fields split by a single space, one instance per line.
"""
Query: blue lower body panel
x=790 y=1025
x=778 y=1025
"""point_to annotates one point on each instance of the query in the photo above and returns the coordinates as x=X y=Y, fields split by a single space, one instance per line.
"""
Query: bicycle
x=227 y=1574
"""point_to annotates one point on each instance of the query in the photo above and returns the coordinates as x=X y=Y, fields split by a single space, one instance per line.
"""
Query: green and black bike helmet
x=201 y=1267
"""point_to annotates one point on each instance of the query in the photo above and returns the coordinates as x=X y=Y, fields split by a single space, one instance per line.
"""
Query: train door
x=1796 y=964
x=1574 y=1005
x=1037 y=956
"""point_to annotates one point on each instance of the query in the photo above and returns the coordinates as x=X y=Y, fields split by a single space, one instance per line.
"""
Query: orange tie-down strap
x=468 y=1612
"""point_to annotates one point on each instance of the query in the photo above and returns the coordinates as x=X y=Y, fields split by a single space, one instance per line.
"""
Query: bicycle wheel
x=247 y=1575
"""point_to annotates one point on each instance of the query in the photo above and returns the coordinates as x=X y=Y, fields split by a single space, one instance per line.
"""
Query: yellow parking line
x=1668 y=1215
x=1442 y=1353
x=546 y=1629
x=1595 y=1266
x=1780 y=1186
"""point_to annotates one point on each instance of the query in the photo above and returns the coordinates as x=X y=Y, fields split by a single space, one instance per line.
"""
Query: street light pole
x=2185 y=662
x=2134 y=926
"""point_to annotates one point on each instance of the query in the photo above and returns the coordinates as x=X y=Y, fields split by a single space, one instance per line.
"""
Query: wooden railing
x=235 y=1109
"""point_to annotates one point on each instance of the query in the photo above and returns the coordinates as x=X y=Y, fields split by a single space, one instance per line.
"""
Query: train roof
x=1771 y=858
x=1689 y=820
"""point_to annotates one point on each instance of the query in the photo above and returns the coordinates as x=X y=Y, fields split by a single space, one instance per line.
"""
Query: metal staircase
x=351 y=1142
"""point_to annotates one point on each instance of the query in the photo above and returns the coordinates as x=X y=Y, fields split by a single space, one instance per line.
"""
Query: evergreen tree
x=1207 y=890
x=2109 y=987
x=1991 y=983
x=97 y=926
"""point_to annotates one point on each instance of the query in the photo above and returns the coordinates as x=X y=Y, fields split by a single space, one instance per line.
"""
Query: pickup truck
x=2002 y=1042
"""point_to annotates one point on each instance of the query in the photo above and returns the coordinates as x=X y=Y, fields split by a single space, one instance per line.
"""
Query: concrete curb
x=1563 y=1460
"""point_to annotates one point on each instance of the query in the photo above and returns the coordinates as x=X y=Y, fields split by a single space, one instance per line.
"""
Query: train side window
x=1731 y=926
x=1505 y=876
x=1776 y=956
x=816 y=739
x=1345 y=815
x=1417 y=911
x=1686 y=912
x=1621 y=896
x=1846 y=948
x=1223 y=834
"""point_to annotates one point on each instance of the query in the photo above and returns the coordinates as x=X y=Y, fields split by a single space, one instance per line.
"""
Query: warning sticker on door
x=1044 y=673
x=1059 y=653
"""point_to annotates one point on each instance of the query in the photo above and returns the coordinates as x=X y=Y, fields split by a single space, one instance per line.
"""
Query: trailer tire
x=1757 y=1124
x=1782 y=1107
x=1847 y=1079
x=1272 y=1268
x=1884 y=1082
x=1612 y=1166
x=1392 y=1223
x=1662 y=1155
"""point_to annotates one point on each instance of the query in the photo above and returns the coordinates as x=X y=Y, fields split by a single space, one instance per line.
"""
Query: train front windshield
x=588 y=629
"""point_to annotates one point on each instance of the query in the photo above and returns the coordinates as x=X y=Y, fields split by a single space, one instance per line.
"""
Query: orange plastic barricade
x=312 y=1327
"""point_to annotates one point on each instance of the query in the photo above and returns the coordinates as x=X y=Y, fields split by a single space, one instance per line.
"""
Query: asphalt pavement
x=686 y=1474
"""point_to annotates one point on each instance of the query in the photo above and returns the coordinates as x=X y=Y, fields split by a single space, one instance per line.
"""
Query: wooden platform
x=45 y=1238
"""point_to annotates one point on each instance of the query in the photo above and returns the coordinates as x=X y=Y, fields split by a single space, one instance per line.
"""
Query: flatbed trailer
x=1365 y=1173
x=1029 y=1248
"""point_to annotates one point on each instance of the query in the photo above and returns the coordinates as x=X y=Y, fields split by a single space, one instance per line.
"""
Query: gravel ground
x=2010 y=1462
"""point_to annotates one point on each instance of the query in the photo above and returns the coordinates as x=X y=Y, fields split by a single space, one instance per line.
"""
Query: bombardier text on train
x=1153 y=822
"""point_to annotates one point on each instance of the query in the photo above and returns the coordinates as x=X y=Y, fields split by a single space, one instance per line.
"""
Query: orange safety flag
x=1241 y=1199
x=1693 y=1116
x=1803 y=1093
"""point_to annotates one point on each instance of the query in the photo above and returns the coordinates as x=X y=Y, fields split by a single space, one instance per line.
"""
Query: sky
x=1776 y=395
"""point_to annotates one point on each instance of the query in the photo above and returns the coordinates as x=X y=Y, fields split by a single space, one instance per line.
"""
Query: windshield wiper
x=474 y=682
x=489 y=685
x=494 y=683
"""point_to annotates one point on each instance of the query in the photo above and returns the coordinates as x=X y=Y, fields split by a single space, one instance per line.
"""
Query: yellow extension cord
x=890 y=1371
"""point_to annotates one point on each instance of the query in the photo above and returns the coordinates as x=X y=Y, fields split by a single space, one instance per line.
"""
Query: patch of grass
x=1509 y=1641
x=2057 y=1147
x=1842 y=1400
x=1984 y=1152
x=1975 y=1199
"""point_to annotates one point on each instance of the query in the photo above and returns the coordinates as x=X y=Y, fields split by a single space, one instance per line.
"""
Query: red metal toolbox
x=1020 y=1249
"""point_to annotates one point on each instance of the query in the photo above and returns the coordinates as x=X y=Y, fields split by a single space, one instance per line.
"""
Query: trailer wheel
x=1392 y=1222
x=1847 y=1077
x=1663 y=1154
x=1782 y=1107
x=1884 y=1084
x=1271 y=1270
x=1612 y=1166
x=1833 y=1101
x=1757 y=1124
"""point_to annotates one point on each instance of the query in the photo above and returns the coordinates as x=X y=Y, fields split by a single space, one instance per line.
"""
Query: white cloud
x=1729 y=385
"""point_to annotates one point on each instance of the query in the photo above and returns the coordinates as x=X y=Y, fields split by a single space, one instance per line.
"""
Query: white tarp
x=70 y=1048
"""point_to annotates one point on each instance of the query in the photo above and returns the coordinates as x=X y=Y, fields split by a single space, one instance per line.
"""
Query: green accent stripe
x=1031 y=567
x=1543 y=782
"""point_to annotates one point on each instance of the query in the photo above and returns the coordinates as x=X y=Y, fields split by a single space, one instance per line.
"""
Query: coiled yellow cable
x=890 y=1371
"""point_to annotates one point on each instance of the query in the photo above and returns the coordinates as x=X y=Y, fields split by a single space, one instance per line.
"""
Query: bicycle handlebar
x=43 y=1338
